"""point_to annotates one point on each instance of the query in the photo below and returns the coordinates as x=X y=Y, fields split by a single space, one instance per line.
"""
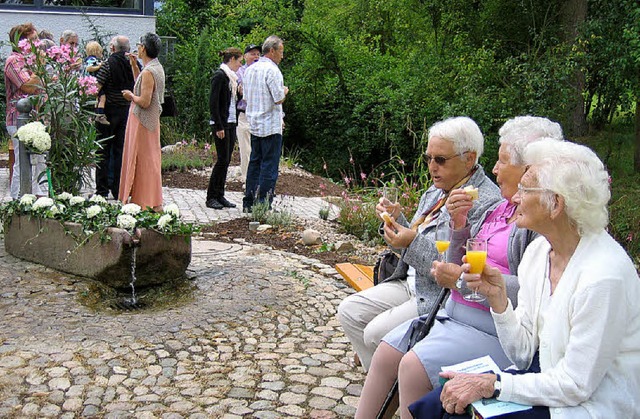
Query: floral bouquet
x=65 y=104
x=96 y=215
x=35 y=137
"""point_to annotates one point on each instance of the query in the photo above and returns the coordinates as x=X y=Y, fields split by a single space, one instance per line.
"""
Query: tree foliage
x=368 y=77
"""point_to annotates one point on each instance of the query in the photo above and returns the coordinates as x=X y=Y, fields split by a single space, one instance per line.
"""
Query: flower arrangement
x=96 y=215
x=64 y=104
x=35 y=137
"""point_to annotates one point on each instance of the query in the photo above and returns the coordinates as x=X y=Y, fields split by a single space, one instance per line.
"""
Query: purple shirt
x=496 y=230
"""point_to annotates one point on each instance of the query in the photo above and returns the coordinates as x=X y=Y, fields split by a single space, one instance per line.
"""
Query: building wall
x=130 y=25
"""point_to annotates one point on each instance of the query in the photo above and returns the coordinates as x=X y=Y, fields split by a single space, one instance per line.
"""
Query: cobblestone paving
x=257 y=338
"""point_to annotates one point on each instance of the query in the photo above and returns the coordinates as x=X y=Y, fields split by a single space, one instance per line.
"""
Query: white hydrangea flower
x=93 y=210
x=55 y=209
x=173 y=210
x=34 y=134
x=98 y=199
x=131 y=209
x=65 y=196
x=42 y=202
x=27 y=199
x=127 y=222
x=42 y=143
x=164 y=221
x=76 y=200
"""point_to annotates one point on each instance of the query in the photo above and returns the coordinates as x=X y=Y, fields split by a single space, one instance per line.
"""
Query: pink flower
x=347 y=181
x=363 y=176
x=630 y=237
x=25 y=46
x=401 y=162
x=609 y=179
x=207 y=147
x=351 y=159
x=323 y=186
x=88 y=85
x=324 y=166
x=355 y=208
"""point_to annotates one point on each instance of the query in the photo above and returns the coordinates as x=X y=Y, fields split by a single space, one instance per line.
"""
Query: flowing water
x=134 y=298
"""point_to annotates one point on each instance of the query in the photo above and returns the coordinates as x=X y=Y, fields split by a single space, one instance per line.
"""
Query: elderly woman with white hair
x=461 y=321
x=578 y=314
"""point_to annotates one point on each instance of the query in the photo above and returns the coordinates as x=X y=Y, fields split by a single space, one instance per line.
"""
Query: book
x=485 y=408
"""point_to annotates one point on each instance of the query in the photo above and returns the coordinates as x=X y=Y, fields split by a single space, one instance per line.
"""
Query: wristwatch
x=497 y=387
x=460 y=283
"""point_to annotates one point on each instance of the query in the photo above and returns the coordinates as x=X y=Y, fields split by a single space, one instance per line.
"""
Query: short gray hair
x=576 y=173
x=520 y=131
x=120 y=43
x=68 y=34
x=462 y=131
x=272 y=42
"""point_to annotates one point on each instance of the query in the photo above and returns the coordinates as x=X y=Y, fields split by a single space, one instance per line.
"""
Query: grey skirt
x=452 y=340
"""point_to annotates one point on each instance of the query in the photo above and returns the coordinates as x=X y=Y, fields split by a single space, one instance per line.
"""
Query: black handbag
x=169 y=107
x=385 y=266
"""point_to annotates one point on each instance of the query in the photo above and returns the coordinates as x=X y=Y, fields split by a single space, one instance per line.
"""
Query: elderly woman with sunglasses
x=575 y=334
x=461 y=321
x=453 y=149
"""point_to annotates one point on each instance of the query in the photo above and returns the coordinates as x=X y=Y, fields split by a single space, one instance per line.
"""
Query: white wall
x=132 y=26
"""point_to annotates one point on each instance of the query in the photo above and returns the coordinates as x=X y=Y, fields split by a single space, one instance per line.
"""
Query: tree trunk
x=574 y=14
x=636 y=159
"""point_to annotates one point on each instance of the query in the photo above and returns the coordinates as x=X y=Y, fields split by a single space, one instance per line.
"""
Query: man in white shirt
x=264 y=91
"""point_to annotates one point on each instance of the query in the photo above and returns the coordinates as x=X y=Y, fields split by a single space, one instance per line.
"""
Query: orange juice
x=442 y=245
x=477 y=259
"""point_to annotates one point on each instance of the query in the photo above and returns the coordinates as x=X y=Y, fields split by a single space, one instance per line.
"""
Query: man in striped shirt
x=114 y=76
x=264 y=91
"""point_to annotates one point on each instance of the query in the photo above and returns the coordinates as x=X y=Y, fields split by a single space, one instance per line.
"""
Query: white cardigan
x=590 y=344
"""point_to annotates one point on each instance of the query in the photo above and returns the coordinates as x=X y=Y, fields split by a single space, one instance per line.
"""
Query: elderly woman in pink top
x=463 y=330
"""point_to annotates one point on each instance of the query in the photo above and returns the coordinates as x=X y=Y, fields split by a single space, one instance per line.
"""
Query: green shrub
x=188 y=156
x=358 y=217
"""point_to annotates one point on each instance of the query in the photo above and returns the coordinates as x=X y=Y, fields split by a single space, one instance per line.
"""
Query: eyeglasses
x=523 y=189
x=441 y=160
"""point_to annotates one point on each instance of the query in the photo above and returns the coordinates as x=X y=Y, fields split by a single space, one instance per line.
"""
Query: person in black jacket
x=114 y=76
x=222 y=105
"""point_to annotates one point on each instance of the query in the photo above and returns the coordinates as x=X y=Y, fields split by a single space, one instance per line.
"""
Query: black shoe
x=246 y=210
x=213 y=203
x=226 y=203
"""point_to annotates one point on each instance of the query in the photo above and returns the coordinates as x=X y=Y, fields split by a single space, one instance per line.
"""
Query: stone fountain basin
x=159 y=258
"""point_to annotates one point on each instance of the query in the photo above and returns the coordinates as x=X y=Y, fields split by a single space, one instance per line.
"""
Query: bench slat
x=360 y=277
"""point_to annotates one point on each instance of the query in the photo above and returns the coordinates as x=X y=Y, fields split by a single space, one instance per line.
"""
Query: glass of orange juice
x=443 y=238
x=477 y=258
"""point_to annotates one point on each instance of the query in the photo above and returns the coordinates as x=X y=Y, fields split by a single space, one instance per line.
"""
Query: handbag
x=385 y=266
x=169 y=107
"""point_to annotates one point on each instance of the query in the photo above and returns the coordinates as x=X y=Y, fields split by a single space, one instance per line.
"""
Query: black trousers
x=110 y=156
x=224 y=149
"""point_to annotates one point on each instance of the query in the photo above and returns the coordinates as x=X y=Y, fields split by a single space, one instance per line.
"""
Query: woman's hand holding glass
x=446 y=274
x=489 y=283
x=388 y=203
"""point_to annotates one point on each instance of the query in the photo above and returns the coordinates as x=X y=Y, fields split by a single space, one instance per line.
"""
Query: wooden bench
x=360 y=277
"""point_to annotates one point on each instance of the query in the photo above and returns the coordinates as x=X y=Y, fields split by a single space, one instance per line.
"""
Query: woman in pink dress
x=141 y=177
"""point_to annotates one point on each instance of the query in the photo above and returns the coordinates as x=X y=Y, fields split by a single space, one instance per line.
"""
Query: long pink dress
x=141 y=174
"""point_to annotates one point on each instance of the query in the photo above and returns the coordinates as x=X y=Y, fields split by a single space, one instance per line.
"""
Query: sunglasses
x=442 y=160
